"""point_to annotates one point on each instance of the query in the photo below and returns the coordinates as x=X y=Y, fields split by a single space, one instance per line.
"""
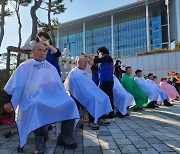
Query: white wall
x=158 y=64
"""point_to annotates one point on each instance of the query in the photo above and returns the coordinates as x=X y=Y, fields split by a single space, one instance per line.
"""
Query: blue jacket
x=54 y=59
x=105 y=68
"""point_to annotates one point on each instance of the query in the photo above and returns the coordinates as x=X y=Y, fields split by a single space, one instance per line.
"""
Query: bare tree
x=3 y=13
x=34 y=8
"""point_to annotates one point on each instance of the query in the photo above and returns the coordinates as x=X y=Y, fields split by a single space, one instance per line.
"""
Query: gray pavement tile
x=49 y=151
x=10 y=144
x=108 y=145
x=135 y=138
x=105 y=139
x=176 y=149
x=129 y=149
x=168 y=152
x=68 y=151
x=122 y=142
x=164 y=138
x=88 y=143
x=104 y=133
x=141 y=144
x=78 y=152
x=59 y=149
x=152 y=140
x=148 y=151
x=144 y=135
x=115 y=151
x=161 y=147
x=92 y=150
x=89 y=137
x=79 y=147
x=119 y=136
x=130 y=133
x=172 y=144
x=115 y=131
x=7 y=151
x=51 y=143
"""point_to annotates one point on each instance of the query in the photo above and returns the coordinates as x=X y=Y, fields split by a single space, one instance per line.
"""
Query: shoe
x=103 y=122
x=67 y=142
x=126 y=114
x=167 y=103
x=40 y=145
x=120 y=115
x=93 y=126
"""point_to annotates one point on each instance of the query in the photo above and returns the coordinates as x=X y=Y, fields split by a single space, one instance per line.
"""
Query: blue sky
x=75 y=10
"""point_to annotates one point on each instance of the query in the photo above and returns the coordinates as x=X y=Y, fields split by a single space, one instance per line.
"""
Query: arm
x=122 y=71
x=8 y=106
x=106 y=59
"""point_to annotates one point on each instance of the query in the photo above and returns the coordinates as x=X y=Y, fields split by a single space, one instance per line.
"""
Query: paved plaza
x=148 y=132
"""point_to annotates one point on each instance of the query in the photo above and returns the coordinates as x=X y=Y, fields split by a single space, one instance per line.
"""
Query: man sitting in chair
x=36 y=93
x=86 y=92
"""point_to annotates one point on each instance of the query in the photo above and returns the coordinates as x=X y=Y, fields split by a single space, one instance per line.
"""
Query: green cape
x=130 y=85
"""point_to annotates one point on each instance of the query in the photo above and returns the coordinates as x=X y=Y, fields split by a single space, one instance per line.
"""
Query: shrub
x=3 y=80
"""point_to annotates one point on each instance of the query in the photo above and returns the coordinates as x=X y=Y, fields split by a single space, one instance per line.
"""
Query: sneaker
x=93 y=126
x=166 y=103
x=67 y=142
x=103 y=122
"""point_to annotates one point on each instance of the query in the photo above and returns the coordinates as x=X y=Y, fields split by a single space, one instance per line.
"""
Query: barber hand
x=8 y=108
x=46 y=43
x=123 y=65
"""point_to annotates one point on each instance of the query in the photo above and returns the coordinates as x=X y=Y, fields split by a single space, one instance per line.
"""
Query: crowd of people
x=37 y=95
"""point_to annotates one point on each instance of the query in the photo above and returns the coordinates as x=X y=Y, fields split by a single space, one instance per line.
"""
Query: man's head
x=82 y=63
x=155 y=78
x=138 y=73
x=150 y=76
x=39 y=51
x=128 y=70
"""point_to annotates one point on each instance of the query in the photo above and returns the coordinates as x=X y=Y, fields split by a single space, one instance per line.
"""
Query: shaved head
x=39 y=51
x=82 y=63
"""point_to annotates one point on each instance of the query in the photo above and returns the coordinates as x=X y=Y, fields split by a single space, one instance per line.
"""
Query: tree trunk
x=49 y=23
x=34 y=17
x=3 y=13
x=19 y=32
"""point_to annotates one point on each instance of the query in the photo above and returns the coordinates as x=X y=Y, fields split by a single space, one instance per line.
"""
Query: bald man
x=85 y=91
x=38 y=98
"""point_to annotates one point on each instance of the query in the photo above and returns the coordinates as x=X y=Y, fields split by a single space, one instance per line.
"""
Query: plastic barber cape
x=148 y=88
x=122 y=99
x=163 y=95
x=86 y=92
x=38 y=97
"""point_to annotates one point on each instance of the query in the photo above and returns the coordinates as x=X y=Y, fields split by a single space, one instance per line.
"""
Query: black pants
x=107 y=87
x=67 y=129
x=177 y=86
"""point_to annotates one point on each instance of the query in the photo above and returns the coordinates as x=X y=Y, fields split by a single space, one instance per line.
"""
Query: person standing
x=176 y=82
x=117 y=69
x=105 y=74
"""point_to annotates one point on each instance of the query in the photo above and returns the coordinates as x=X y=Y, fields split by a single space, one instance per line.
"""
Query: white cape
x=38 y=97
x=86 y=92
x=148 y=88
x=122 y=99
x=163 y=95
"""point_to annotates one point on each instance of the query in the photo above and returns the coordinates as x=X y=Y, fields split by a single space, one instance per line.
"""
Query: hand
x=123 y=65
x=8 y=108
x=46 y=43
